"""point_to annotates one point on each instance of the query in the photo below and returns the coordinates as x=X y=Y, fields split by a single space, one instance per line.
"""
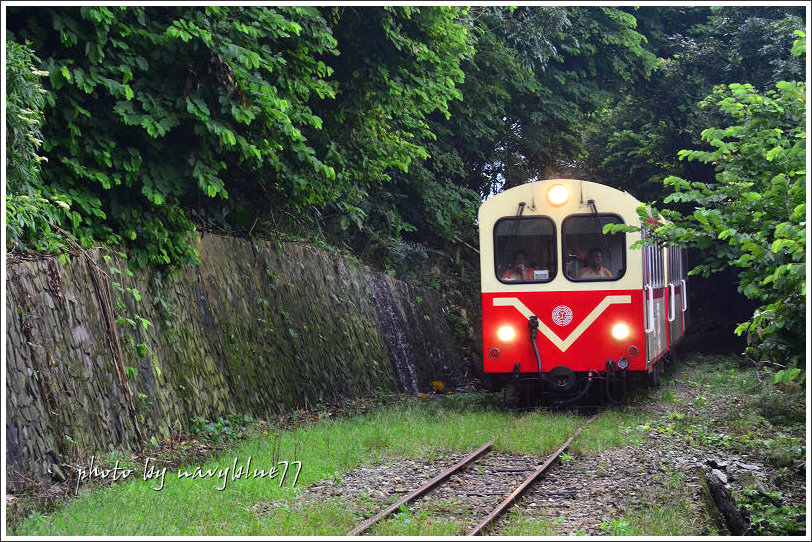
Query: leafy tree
x=538 y=73
x=397 y=66
x=532 y=79
x=753 y=215
x=233 y=117
x=634 y=145
x=157 y=110
x=29 y=216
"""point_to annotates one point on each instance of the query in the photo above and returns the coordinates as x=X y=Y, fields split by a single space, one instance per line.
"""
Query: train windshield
x=590 y=254
x=525 y=249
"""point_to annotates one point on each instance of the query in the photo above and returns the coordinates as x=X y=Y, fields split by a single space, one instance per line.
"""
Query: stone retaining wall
x=256 y=328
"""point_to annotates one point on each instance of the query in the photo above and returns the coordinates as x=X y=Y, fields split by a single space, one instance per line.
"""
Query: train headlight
x=620 y=332
x=558 y=194
x=506 y=333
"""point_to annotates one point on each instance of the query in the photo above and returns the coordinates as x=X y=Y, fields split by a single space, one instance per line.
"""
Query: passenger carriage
x=570 y=313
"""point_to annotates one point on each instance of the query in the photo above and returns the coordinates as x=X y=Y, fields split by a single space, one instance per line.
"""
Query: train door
x=654 y=296
x=676 y=295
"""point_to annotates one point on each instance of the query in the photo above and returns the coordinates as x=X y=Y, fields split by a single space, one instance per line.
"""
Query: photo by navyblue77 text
x=234 y=472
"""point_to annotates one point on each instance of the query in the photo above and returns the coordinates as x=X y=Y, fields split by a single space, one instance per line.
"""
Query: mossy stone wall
x=257 y=328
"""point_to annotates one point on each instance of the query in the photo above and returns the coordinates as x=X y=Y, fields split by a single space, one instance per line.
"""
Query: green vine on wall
x=126 y=319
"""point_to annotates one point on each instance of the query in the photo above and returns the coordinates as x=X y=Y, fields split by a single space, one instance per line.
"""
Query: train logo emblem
x=562 y=315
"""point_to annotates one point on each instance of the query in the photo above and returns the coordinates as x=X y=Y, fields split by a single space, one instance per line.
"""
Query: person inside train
x=520 y=269
x=594 y=266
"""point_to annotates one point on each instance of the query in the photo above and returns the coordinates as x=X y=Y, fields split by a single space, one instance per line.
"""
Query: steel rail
x=530 y=479
x=422 y=489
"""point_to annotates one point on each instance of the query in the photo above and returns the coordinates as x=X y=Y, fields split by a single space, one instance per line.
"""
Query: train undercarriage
x=563 y=388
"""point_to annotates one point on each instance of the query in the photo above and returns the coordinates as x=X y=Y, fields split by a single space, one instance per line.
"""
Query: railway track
x=459 y=467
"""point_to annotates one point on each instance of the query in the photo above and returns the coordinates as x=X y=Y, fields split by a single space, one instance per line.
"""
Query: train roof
x=534 y=194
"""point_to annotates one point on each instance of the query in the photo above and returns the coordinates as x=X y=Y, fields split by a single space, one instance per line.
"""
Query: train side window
x=525 y=250
x=589 y=254
x=658 y=266
x=648 y=261
x=657 y=262
x=660 y=273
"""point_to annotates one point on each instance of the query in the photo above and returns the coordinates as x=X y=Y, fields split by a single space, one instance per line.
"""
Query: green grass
x=668 y=516
x=537 y=432
x=721 y=374
x=284 y=518
x=613 y=428
x=764 y=420
x=766 y=517
x=427 y=430
x=518 y=524
x=665 y=511
x=668 y=396
x=620 y=527
x=409 y=523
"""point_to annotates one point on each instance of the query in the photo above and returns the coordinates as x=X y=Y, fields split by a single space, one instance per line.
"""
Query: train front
x=562 y=302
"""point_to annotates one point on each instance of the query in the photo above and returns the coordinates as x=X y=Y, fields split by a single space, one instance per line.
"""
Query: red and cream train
x=569 y=313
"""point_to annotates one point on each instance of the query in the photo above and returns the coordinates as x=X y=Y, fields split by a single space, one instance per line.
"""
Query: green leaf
x=136 y=294
x=772 y=153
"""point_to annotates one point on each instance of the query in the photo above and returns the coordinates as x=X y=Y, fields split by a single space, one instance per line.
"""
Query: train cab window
x=589 y=254
x=524 y=250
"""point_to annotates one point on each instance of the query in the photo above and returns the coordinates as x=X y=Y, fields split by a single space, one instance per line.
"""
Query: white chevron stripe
x=578 y=331
x=513 y=302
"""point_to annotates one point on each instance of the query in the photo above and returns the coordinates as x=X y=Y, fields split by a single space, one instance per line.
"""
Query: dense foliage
x=29 y=216
x=380 y=129
x=538 y=73
x=156 y=113
x=397 y=66
x=635 y=144
x=358 y=125
x=638 y=143
x=757 y=209
x=752 y=215
x=533 y=76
